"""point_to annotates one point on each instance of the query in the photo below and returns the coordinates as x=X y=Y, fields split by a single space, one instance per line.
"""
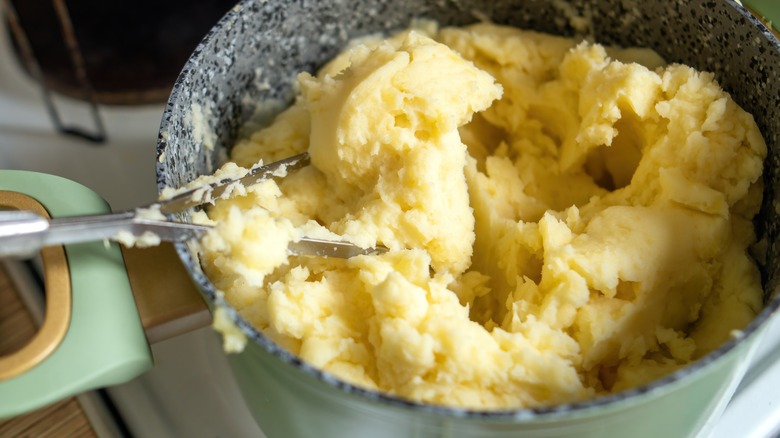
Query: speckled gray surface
x=265 y=43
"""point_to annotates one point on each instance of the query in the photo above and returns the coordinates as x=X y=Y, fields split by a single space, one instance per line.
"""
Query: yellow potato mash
x=564 y=220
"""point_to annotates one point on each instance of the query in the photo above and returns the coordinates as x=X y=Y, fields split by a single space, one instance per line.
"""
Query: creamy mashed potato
x=562 y=224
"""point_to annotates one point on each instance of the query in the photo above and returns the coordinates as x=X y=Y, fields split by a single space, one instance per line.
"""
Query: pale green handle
x=104 y=344
x=768 y=9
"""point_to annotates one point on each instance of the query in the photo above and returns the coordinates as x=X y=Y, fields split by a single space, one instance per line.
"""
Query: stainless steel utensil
x=23 y=233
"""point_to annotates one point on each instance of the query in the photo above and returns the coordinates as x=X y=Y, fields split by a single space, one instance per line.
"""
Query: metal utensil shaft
x=23 y=233
x=193 y=198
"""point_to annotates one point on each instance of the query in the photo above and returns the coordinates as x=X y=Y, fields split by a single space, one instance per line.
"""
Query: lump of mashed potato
x=561 y=224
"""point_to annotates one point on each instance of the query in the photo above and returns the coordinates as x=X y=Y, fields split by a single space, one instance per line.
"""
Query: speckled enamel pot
x=252 y=56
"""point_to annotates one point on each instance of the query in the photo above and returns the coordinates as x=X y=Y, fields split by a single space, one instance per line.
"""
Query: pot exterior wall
x=287 y=402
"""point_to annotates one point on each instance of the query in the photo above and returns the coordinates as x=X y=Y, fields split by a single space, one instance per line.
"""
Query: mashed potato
x=562 y=224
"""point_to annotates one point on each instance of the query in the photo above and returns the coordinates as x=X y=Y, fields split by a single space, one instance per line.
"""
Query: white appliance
x=190 y=392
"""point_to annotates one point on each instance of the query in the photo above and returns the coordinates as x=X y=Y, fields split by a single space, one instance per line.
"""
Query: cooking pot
x=268 y=42
x=262 y=43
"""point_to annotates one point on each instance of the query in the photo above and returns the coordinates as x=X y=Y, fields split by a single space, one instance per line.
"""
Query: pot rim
x=552 y=412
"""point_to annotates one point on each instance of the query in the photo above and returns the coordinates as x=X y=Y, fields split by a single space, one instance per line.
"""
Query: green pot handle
x=92 y=336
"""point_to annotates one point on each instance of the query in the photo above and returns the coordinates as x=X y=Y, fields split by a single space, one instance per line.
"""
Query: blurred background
x=83 y=85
